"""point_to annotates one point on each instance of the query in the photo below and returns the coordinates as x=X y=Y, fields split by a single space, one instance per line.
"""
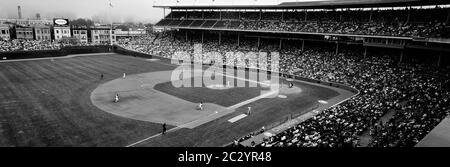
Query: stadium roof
x=326 y=4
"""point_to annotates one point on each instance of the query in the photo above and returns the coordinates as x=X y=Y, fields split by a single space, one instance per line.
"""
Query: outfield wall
x=123 y=51
x=67 y=50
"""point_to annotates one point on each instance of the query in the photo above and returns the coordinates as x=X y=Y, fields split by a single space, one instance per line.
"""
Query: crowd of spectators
x=417 y=97
x=27 y=45
x=383 y=88
x=404 y=23
x=426 y=105
x=33 y=45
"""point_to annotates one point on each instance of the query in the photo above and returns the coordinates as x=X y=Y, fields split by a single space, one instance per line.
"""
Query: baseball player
x=116 y=99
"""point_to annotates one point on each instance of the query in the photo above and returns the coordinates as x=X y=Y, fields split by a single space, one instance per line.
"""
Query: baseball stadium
x=333 y=73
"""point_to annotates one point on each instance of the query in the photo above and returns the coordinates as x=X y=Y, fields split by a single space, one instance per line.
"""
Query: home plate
x=237 y=118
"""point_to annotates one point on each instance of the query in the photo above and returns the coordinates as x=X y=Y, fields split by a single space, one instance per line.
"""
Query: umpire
x=164 y=129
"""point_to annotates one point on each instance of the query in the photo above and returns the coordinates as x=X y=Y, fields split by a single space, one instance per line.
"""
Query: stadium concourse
x=407 y=21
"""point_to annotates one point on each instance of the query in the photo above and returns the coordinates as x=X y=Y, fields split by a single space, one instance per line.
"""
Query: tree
x=123 y=27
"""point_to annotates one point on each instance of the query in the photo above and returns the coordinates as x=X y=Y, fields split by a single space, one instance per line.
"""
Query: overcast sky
x=123 y=10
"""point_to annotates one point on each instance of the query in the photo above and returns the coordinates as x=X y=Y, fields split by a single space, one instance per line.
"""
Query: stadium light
x=110 y=18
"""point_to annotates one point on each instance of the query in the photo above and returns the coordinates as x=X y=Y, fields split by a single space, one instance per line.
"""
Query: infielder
x=200 y=106
x=116 y=98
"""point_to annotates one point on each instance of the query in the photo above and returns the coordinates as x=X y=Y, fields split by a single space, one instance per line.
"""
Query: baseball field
x=65 y=102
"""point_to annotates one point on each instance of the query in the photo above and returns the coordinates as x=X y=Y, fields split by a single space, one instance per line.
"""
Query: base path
x=139 y=101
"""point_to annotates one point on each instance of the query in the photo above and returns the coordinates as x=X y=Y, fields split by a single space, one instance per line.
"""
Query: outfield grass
x=44 y=103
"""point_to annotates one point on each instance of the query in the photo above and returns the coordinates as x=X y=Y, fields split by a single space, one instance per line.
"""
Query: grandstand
x=392 y=38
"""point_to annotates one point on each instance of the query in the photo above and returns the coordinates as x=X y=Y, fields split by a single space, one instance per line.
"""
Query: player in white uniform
x=249 y=110
x=124 y=75
x=200 y=106
x=116 y=98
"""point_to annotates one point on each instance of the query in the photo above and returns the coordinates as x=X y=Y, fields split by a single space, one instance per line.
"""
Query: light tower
x=19 y=12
